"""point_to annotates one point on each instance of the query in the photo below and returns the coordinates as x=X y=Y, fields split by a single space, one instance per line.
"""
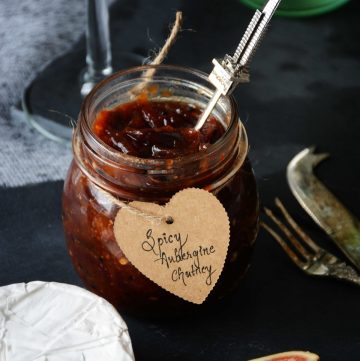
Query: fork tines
x=299 y=253
x=304 y=252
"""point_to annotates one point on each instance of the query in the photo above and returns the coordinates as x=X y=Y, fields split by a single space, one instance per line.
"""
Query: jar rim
x=115 y=156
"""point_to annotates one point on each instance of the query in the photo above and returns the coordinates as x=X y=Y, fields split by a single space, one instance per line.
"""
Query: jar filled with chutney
x=135 y=141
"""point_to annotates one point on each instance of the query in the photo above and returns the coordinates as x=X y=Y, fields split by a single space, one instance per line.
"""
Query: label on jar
x=181 y=246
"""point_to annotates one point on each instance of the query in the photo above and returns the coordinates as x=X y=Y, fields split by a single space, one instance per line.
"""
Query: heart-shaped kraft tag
x=183 y=248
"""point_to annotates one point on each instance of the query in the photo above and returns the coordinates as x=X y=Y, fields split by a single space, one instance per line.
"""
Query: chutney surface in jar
x=156 y=129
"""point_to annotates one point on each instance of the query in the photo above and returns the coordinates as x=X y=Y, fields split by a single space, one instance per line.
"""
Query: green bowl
x=300 y=8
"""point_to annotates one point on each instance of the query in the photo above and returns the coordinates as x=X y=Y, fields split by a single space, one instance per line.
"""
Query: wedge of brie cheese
x=59 y=322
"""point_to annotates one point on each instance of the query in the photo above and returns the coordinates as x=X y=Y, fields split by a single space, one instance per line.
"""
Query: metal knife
x=324 y=208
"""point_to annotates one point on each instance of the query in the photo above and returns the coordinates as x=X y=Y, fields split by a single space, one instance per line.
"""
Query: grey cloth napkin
x=32 y=33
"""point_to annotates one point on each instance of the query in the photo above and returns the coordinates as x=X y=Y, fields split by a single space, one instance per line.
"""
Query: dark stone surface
x=305 y=90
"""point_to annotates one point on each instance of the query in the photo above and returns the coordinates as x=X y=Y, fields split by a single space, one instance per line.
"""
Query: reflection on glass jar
x=99 y=172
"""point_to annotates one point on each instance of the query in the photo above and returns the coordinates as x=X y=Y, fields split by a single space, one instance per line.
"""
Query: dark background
x=304 y=90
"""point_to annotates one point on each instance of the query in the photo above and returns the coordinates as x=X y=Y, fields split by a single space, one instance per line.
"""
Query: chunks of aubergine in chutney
x=156 y=129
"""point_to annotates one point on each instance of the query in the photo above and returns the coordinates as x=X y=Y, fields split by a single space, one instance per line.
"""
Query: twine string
x=169 y=41
x=124 y=205
x=148 y=75
x=176 y=27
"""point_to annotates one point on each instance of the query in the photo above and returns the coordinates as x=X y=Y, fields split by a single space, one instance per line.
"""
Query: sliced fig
x=290 y=356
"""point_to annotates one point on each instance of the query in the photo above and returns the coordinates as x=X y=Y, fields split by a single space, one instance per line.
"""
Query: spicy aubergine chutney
x=147 y=150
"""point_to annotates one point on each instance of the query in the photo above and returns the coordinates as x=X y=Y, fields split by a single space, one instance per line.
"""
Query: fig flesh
x=290 y=356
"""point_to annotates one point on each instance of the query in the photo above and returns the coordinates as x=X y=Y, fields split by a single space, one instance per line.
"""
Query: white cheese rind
x=59 y=322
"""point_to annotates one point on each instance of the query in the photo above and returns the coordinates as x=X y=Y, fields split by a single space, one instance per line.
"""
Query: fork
x=306 y=254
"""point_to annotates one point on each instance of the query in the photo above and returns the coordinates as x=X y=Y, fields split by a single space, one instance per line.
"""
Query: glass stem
x=98 y=46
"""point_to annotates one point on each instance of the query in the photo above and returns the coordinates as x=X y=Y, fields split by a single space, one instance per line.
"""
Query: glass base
x=52 y=100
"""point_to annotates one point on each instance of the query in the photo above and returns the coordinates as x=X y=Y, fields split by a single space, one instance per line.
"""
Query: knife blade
x=323 y=207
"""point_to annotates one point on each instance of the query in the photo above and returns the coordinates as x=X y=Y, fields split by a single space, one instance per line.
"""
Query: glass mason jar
x=99 y=174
